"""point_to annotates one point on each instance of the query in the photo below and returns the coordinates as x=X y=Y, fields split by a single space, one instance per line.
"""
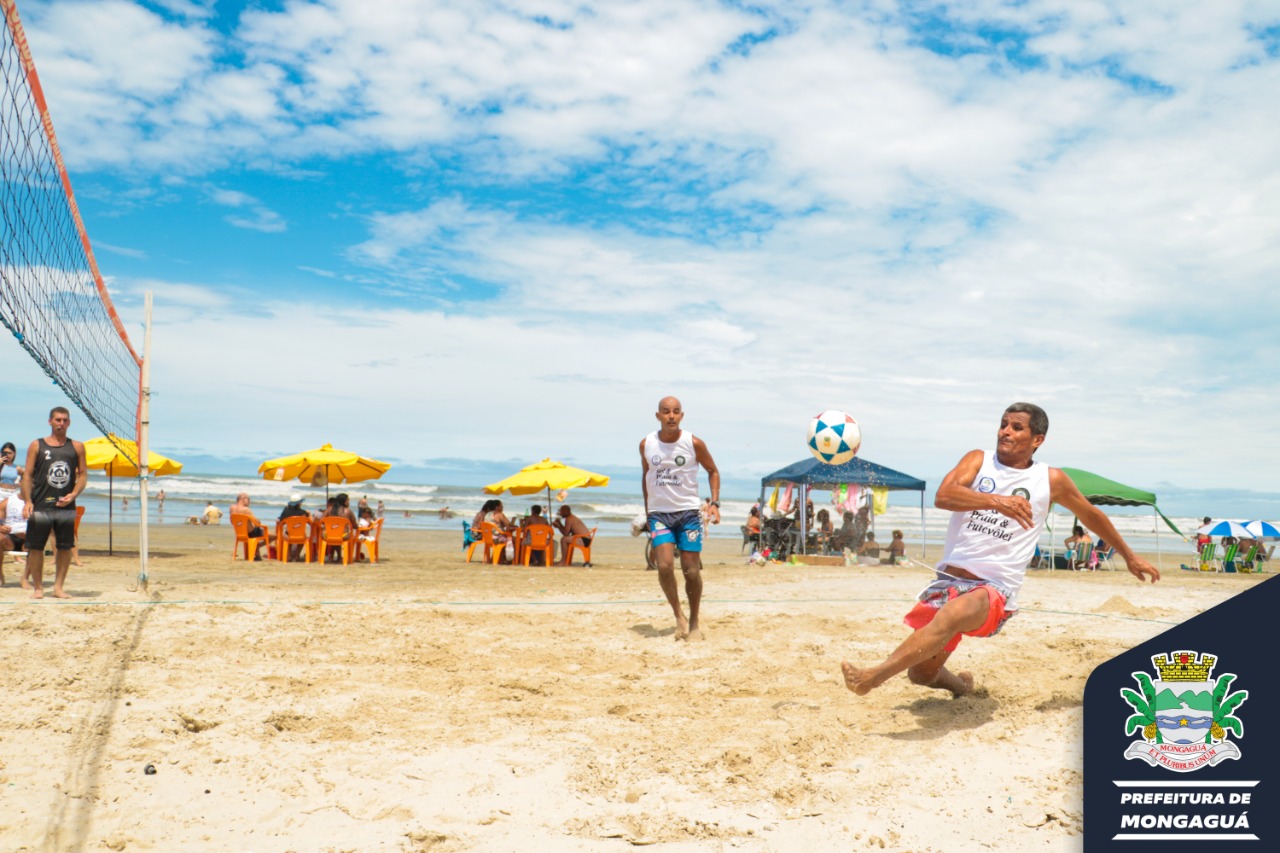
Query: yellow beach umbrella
x=323 y=466
x=547 y=474
x=119 y=458
x=105 y=454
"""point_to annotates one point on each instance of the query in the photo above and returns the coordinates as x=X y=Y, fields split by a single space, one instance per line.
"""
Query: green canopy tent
x=1100 y=491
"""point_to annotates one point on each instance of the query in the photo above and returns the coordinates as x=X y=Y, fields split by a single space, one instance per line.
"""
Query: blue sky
x=476 y=230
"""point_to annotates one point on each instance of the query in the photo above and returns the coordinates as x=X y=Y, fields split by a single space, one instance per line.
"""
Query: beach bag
x=510 y=551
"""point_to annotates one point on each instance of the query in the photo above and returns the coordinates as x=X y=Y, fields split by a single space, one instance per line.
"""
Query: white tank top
x=992 y=546
x=672 y=478
x=13 y=514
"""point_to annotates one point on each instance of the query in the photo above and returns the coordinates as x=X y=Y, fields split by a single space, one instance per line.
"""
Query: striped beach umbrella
x=1262 y=529
x=1226 y=528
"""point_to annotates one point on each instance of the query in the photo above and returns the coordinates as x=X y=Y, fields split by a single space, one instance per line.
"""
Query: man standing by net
x=669 y=458
x=56 y=473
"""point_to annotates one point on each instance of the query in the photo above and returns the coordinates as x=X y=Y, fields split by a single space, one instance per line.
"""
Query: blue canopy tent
x=813 y=474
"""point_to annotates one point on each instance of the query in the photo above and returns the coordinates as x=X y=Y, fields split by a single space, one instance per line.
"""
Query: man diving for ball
x=999 y=505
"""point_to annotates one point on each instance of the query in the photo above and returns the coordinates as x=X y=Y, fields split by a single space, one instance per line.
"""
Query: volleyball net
x=52 y=296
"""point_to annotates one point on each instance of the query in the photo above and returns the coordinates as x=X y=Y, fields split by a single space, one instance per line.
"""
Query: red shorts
x=924 y=612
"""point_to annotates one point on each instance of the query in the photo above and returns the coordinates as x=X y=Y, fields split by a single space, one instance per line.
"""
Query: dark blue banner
x=1177 y=750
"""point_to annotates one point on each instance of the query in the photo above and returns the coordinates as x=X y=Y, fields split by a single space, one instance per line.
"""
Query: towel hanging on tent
x=785 y=507
x=773 y=500
x=879 y=499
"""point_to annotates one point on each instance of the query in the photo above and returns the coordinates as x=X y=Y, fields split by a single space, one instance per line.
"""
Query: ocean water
x=414 y=506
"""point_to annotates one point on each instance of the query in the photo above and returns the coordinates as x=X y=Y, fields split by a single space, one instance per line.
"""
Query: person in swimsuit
x=999 y=505
x=55 y=474
x=573 y=530
x=669 y=461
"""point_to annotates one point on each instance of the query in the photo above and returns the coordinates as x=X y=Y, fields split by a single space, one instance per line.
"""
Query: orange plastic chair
x=576 y=545
x=540 y=537
x=335 y=532
x=294 y=530
x=240 y=523
x=375 y=532
x=478 y=540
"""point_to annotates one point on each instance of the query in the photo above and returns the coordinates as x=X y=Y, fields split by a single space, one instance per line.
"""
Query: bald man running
x=669 y=458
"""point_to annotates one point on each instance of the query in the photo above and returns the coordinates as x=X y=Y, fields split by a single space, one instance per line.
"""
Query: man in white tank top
x=1000 y=505
x=669 y=459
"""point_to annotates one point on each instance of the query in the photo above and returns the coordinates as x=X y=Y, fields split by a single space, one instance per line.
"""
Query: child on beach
x=999 y=505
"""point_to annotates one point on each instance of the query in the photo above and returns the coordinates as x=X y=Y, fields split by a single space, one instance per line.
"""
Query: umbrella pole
x=111 y=509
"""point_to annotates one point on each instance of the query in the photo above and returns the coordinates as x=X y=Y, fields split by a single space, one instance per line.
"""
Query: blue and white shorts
x=682 y=529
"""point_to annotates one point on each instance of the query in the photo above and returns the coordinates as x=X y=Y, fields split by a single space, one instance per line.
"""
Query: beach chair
x=240 y=525
x=295 y=530
x=477 y=535
x=540 y=538
x=1208 y=557
x=369 y=539
x=336 y=532
x=1104 y=558
x=467 y=538
x=575 y=544
x=748 y=538
x=1249 y=560
x=1080 y=557
x=1229 y=558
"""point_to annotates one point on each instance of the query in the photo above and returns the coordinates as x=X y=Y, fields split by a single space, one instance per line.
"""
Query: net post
x=144 y=452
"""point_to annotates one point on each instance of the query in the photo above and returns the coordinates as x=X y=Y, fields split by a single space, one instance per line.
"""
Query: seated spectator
x=255 y=528
x=365 y=521
x=1203 y=539
x=535 y=518
x=497 y=517
x=483 y=513
x=897 y=549
x=825 y=529
x=869 y=552
x=753 y=526
x=572 y=530
x=293 y=509
x=1079 y=547
x=211 y=515
x=1099 y=551
x=844 y=537
x=13 y=519
x=339 y=507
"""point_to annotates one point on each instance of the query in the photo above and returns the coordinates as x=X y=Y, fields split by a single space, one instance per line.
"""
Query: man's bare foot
x=26 y=584
x=682 y=627
x=966 y=684
x=696 y=634
x=57 y=593
x=39 y=593
x=860 y=681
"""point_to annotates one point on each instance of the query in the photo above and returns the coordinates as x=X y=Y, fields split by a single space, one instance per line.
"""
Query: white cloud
x=837 y=215
x=256 y=216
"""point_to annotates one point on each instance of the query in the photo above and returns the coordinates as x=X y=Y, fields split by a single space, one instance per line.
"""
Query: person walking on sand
x=999 y=505
x=55 y=474
x=669 y=460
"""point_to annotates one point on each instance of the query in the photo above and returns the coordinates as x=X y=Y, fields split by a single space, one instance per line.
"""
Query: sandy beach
x=425 y=704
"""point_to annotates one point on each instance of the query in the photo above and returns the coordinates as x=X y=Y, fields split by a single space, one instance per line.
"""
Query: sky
x=437 y=232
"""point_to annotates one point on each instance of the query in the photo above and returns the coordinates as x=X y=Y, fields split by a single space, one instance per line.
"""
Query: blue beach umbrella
x=1262 y=529
x=1226 y=528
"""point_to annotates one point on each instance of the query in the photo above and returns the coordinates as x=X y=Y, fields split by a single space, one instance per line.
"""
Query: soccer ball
x=834 y=437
